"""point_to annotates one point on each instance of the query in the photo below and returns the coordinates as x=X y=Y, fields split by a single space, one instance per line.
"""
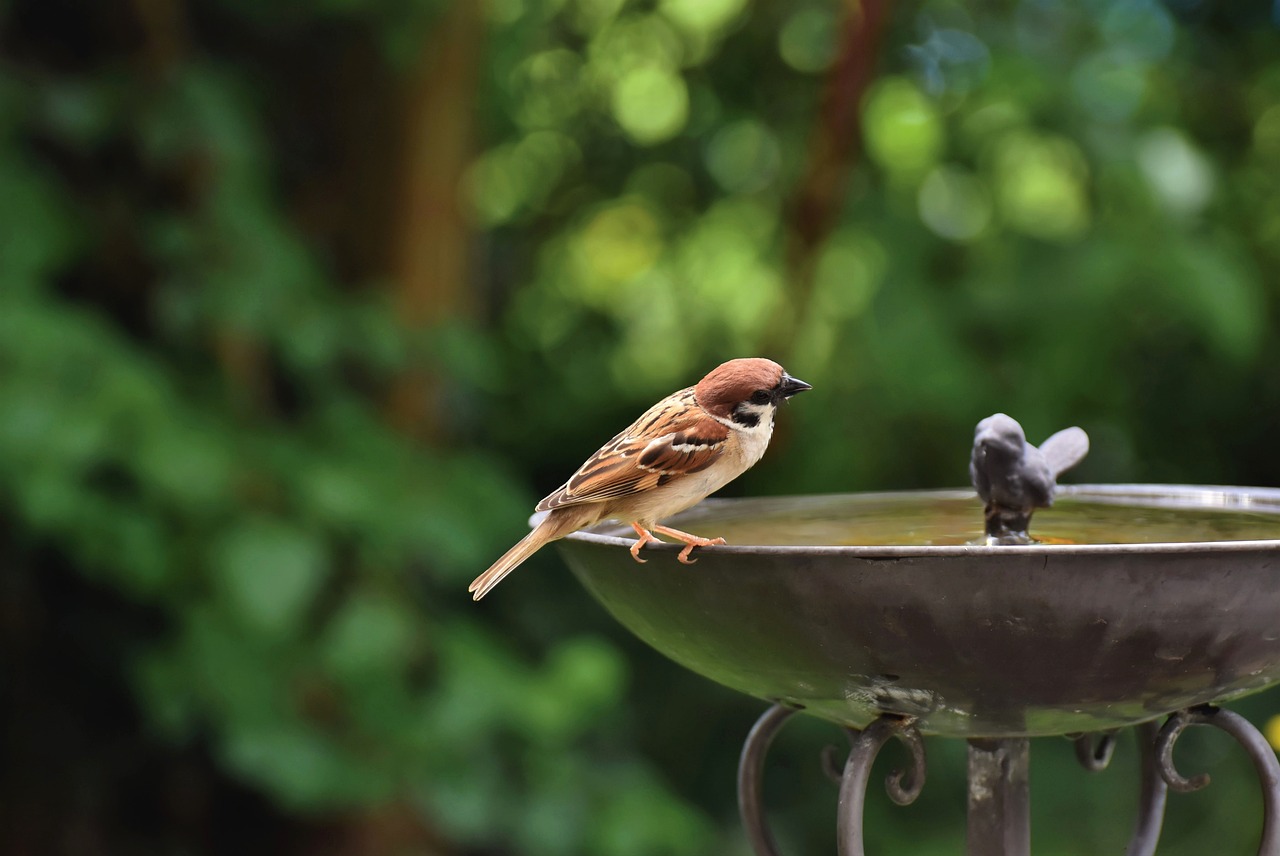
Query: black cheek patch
x=746 y=417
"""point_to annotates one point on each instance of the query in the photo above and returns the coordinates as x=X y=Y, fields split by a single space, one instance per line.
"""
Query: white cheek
x=755 y=439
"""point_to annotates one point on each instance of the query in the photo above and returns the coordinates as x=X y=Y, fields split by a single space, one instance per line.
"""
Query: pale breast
x=754 y=442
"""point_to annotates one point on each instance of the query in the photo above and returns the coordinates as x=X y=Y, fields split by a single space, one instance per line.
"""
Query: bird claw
x=690 y=541
x=701 y=542
x=646 y=537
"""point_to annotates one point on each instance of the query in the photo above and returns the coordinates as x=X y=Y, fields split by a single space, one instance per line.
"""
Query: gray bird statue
x=1014 y=478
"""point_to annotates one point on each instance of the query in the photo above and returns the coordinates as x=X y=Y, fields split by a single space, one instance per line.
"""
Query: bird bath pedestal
x=1143 y=606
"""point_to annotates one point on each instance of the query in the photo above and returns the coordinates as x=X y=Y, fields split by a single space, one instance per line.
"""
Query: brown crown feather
x=733 y=382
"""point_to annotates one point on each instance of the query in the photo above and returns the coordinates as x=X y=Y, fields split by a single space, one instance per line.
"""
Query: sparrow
x=684 y=448
x=1014 y=477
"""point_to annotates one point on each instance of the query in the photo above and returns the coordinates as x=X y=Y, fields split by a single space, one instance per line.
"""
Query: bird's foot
x=690 y=541
x=646 y=537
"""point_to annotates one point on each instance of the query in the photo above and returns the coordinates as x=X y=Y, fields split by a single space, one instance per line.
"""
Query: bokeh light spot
x=743 y=156
x=848 y=273
x=1272 y=732
x=1177 y=173
x=510 y=178
x=954 y=203
x=653 y=309
x=727 y=270
x=1040 y=183
x=546 y=88
x=903 y=131
x=807 y=41
x=618 y=243
x=651 y=104
x=702 y=16
x=492 y=188
x=633 y=42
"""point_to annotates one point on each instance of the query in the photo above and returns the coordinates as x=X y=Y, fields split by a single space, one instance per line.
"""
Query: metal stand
x=999 y=793
x=1000 y=797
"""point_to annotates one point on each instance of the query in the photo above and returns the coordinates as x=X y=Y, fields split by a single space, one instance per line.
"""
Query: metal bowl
x=973 y=641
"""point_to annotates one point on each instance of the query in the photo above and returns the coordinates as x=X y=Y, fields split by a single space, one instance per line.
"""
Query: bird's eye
x=760 y=396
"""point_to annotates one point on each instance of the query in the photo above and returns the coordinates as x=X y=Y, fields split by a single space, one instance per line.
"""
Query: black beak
x=789 y=386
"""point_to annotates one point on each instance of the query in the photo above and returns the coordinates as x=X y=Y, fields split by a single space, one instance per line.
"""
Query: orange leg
x=690 y=542
x=646 y=537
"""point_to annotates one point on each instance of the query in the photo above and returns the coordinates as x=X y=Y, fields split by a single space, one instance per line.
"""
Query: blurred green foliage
x=253 y=446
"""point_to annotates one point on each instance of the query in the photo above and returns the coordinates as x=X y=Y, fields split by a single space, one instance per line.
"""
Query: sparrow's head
x=999 y=435
x=746 y=391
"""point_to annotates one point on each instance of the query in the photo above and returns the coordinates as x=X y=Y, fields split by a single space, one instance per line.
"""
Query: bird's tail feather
x=524 y=548
x=555 y=525
x=1065 y=449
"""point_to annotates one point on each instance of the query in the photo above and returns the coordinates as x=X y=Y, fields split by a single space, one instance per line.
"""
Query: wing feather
x=636 y=461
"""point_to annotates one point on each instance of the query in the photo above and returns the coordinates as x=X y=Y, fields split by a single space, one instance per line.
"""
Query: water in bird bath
x=954 y=518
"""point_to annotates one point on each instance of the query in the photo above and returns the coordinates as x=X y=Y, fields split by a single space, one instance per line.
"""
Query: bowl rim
x=1261 y=499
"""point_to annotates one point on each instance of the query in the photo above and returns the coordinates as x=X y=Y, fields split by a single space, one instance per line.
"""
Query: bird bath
x=881 y=613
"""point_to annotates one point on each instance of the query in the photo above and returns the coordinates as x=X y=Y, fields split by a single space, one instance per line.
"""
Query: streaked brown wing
x=632 y=462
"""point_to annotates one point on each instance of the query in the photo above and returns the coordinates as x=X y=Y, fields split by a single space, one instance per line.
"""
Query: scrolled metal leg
x=998 y=774
x=1095 y=757
x=1168 y=735
x=903 y=785
x=751 y=779
x=1260 y=752
x=1151 y=800
x=832 y=765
